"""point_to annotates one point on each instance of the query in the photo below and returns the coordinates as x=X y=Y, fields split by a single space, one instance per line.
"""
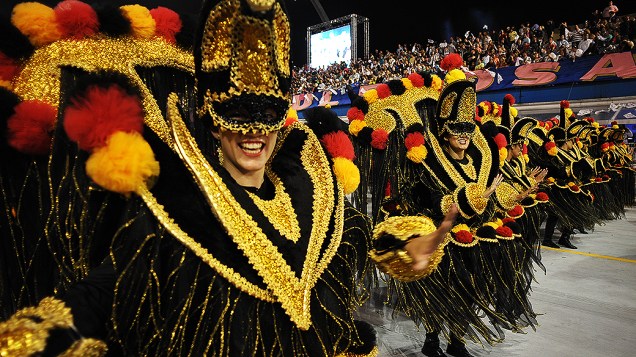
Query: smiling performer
x=232 y=235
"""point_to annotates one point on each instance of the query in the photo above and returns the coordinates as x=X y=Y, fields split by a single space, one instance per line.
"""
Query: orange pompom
x=37 y=22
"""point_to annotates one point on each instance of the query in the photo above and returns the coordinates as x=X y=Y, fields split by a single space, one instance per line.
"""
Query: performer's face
x=516 y=150
x=459 y=142
x=245 y=155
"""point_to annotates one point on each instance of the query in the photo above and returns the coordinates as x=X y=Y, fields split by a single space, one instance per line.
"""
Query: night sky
x=395 y=22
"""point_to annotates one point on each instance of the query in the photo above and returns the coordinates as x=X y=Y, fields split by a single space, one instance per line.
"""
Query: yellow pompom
x=347 y=174
x=460 y=227
x=124 y=164
x=454 y=75
x=142 y=24
x=568 y=112
x=371 y=96
x=596 y=125
x=355 y=126
x=37 y=22
x=407 y=83
x=417 y=154
x=437 y=82
x=579 y=144
x=492 y=224
x=513 y=112
x=553 y=151
x=503 y=154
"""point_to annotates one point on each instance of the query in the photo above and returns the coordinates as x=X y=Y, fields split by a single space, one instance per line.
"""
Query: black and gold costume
x=154 y=247
x=410 y=173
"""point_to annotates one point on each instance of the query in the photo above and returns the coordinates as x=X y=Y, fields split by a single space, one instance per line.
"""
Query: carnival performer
x=517 y=172
x=424 y=152
x=230 y=232
x=570 y=206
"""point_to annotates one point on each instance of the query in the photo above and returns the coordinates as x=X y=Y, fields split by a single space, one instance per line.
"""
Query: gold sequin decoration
x=506 y=196
x=40 y=77
x=255 y=51
x=381 y=112
x=25 y=333
x=397 y=262
x=283 y=286
x=447 y=105
x=374 y=353
x=86 y=347
x=279 y=210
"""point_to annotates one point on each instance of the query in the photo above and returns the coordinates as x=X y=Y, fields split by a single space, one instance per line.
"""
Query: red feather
x=510 y=98
x=76 y=19
x=383 y=90
x=9 y=68
x=451 y=61
x=355 y=114
x=413 y=139
x=379 y=138
x=464 y=237
x=338 y=144
x=93 y=117
x=168 y=23
x=416 y=79
x=500 y=140
x=504 y=231
x=31 y=126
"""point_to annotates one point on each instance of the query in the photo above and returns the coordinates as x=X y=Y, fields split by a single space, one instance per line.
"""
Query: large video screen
x=331 y=46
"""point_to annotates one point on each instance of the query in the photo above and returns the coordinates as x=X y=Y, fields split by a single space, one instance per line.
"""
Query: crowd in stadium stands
x=489 y=49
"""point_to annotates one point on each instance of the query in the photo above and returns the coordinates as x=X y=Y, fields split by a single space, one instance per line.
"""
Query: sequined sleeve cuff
x=470 y=199
x=506 y=196
x=27 y=331
x=389 y=239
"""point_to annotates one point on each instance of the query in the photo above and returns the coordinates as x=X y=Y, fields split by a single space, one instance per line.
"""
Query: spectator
x=609 y=13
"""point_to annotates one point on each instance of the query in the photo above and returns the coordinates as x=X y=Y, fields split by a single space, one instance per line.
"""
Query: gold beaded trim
x=279 y=210
x=397 y=262
x=506 y=196
x=40 y=77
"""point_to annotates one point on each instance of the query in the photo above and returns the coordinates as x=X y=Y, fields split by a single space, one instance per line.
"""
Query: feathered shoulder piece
x=331 y=131
x=41 y=41
x=396 y=104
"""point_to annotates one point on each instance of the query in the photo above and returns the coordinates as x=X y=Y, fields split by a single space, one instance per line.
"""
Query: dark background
x=406 y=22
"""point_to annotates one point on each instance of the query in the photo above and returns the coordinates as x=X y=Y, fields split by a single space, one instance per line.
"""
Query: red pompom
x=516 y=211
x=416 y=79
x=30 y=128
x=338 y=144
x=355 y=114
x=9 y=68
x=565 y=104
x=509 y=98
x=451 y=61
x=93 y=117
x=524 y=149
x=383 y=90
x=508 y=220
x=76 y=19
x=379 y=138
x=549 y=145
x=168 y=23
x=598 y=179
x=504 y=231
x=542 y=196
x=590 y=119
x=464 y=237
x=413 y=139
x=500 y=140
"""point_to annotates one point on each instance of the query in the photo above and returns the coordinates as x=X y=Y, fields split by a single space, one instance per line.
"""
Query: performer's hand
x=421 y=248
x=495 y=183
x=541 y=176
